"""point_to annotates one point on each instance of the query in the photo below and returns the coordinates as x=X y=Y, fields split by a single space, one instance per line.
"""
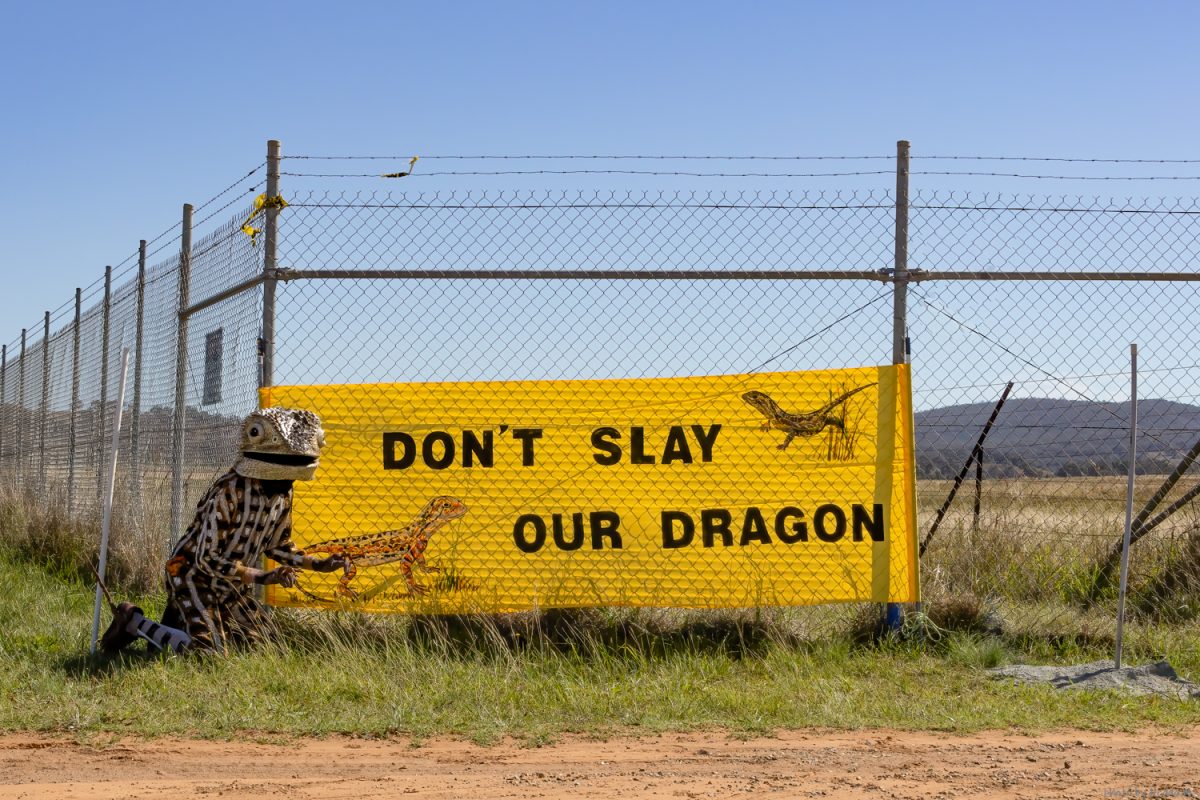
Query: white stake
x=1128 y=500
x=106 y=524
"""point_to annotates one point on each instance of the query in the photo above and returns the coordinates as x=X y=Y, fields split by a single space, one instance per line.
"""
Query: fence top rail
x=884 y=275
x=1050 y=275
x=880 y=275
x=289 y=274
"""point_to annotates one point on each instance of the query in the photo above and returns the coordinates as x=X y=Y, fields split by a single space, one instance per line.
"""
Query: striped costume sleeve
x=282 y=549
x=221 y=530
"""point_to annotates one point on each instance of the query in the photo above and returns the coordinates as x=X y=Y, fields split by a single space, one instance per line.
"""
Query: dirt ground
x=875 y=763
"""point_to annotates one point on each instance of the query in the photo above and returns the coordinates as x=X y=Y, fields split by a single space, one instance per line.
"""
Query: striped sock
x=159 y=635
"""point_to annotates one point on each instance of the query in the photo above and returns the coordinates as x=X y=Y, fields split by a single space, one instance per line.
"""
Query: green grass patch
x=531 y=677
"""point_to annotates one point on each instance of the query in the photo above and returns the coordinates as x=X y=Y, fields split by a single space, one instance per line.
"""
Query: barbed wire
x=174 y=229
x=1058 y=177
x=127 y=266
x=1058 y=210
x=234 y=201
x=687 y=174
x=742 y=157
x=592 y=158
x=1073 y=160
x=232 y=186
x=87 y=293
x=664 y=173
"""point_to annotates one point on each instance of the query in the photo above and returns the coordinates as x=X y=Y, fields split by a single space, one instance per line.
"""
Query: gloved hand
x=284 y=576
x=327 y=564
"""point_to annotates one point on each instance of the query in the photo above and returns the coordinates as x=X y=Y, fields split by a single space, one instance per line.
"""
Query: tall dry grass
x=1026 y=566
x=39 y=527
x=1038 y=543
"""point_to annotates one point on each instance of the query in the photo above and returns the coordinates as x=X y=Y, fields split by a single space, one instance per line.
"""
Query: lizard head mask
x=280 y=444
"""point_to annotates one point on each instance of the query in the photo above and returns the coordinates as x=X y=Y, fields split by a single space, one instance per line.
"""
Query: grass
x=41 y=529
x=1006 y=591
x=533 y=677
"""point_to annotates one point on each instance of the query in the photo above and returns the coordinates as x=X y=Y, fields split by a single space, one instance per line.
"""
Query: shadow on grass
x=588 y=632
x=99 y=665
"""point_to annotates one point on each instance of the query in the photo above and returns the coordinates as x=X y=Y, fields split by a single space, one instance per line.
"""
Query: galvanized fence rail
x=977 y=291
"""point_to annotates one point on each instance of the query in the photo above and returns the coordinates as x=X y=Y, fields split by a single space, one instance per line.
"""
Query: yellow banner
x=729 y=491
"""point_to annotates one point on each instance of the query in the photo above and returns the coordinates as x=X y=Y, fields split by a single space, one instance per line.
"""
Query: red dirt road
x=797 y=764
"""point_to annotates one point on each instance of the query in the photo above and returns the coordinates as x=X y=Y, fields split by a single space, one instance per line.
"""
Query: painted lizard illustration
x=807 y=424
x=406 y=545
x=245 y=515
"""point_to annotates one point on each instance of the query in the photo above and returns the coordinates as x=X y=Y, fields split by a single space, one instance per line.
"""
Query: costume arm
x=284 y=550
x=219 y=531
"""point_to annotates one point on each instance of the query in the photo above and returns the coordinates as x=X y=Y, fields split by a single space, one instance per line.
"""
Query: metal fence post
x=103 y=387
x=44 y=411
x=177 y=428
x=1125 y=541
x=900 y=274
x=135 y=463
x=74 y=403
x=21 y=414
x=270 y=242
x=900 y=298
x=3 y=416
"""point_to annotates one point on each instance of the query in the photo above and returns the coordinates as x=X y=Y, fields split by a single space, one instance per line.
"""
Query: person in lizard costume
x=246 y=514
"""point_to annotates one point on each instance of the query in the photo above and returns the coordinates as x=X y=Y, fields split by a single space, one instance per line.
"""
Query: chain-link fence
x=1041 y=293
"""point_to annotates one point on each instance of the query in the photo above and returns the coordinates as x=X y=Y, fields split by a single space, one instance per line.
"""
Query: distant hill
x=1053 y=437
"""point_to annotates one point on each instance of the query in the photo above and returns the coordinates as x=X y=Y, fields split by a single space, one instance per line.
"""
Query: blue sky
x=116 y=114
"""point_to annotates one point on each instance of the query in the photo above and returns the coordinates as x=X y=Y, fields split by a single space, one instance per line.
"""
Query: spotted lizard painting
x=804 y=424
x=405 y=545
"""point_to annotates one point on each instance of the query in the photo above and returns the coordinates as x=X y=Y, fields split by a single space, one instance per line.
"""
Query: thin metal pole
x=107 y=502
x=976 y=452
x=135 y=463
x=74 y=403
x=1133 y=400
x=21 y=414
x=3 y=379
x=978 y=493
x=105 y=326
x=44 y=411
x=1150 y=524
x=270 y=241
x=900 y=298
x=177 y=431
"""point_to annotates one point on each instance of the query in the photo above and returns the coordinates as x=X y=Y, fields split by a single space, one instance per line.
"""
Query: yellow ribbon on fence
x=411 y=163
x=260 y=203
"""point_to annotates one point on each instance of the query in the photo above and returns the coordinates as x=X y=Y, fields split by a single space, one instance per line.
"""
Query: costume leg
x=129 y=623
x=164 y=637
x=246 y=619
x=192 y=605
